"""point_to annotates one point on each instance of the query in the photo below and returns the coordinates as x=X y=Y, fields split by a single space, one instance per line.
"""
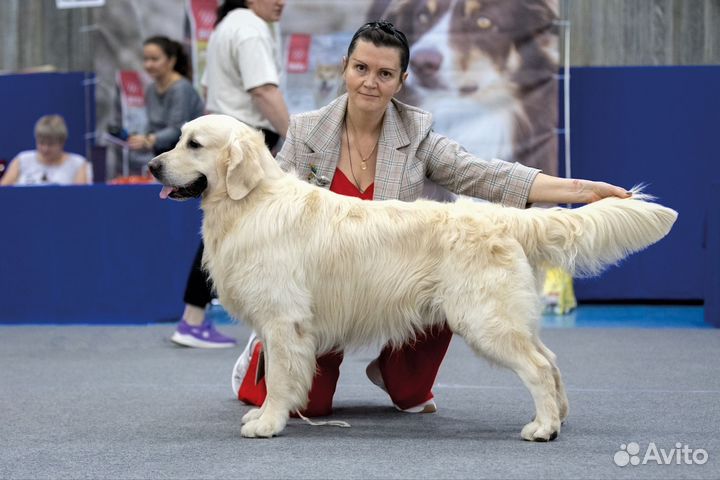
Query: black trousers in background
x=198 y=289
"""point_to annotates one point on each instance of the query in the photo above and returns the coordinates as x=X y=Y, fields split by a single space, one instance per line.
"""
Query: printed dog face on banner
x=326 y=82
x=486 y=70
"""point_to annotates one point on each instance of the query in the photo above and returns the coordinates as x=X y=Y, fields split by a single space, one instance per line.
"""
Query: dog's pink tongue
x=165 y=192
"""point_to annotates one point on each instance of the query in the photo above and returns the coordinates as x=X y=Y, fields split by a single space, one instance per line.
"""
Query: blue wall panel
x=94 y=254
x=657 y=125
x=712 y=272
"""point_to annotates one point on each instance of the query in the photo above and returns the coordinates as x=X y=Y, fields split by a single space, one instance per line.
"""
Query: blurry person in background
x=242 y=78
x=49 y=163
x=242 y=75
x=171 y=100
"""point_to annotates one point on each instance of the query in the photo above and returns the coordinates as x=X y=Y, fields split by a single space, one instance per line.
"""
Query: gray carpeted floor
x=123 y=402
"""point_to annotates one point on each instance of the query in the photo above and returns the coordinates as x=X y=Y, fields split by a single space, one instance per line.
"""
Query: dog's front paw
x=540 y=432
x=262 y=427
x=253 y=414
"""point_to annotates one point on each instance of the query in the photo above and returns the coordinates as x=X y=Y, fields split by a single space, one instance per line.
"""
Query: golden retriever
x=312 y=271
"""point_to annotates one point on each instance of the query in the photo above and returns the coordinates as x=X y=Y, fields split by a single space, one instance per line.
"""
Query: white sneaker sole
x=242 y=364
x=190 y=341
x=425 y=407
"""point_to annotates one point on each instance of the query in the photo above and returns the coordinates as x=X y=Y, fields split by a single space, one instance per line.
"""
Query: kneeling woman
x=366 y=144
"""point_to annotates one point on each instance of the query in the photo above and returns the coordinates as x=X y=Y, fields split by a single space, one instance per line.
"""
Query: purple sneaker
x=204 y=336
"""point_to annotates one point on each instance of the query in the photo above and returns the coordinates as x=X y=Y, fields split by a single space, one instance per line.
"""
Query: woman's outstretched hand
x=589 y=191
x=549 y=189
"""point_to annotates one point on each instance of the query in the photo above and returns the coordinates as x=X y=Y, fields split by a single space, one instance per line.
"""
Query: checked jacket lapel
x=325 y=141
x=390 y=161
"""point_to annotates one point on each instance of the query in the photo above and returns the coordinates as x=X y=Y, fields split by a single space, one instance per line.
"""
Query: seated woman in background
x=49 y=163
x=171 y=100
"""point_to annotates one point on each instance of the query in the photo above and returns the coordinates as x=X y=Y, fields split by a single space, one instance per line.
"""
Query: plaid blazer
x=408 y=153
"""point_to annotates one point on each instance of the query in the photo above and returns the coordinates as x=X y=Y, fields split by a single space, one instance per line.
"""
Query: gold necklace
x=363 y=160
x=352 y=170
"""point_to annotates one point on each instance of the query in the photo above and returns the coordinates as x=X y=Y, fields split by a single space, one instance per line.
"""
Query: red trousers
x=408 y=373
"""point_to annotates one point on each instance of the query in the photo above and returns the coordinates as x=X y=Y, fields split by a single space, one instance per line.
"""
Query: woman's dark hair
x=383 y=34
x=173 y=49
x=227 y=7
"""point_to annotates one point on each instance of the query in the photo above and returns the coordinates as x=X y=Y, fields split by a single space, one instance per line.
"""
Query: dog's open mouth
x=191 y=190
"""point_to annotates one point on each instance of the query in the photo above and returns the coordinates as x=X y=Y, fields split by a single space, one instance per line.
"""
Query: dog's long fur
x=313 y=271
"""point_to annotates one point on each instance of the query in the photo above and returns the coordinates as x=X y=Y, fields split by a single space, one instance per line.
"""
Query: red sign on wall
x=203 y=16
x=131 y=88
x=298 y=53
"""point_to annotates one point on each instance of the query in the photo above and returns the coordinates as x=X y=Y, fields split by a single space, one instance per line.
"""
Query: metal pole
x=566 y=98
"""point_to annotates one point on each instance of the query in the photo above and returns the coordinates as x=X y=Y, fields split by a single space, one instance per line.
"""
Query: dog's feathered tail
x=586 y=240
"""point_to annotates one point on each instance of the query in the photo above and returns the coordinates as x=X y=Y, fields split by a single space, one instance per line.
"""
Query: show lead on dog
x=366 y=144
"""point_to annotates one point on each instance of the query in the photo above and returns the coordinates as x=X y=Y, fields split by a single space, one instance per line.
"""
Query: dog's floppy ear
x=244 y=170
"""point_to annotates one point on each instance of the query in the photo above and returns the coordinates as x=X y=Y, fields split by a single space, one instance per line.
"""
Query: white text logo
x=680 y=455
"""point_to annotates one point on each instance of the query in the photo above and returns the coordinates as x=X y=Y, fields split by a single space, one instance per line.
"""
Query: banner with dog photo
x=486 y=70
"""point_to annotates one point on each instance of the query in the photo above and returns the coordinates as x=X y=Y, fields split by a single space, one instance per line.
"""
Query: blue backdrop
x=103 y=254
x=656 y=125
x=94 y=254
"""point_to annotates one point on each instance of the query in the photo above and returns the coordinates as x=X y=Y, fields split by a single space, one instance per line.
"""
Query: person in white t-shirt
x=242 y=79
x=49 y=163
x=242 y=74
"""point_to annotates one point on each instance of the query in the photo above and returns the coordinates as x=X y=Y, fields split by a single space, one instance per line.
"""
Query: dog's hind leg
x=560 y=394
x=290 y=356
x=498 y=320
x=515 y=350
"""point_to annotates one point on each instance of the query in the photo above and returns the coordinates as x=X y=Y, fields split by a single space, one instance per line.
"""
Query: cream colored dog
x=312 y=271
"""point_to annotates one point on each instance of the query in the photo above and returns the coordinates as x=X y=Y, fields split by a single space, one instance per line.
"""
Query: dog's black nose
x=155 y=168
x=426 y=61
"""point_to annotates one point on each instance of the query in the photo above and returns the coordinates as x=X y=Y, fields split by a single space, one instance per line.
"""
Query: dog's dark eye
x=193 y=144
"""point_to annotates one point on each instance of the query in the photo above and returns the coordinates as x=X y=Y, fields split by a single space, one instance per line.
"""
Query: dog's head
x=216 y=155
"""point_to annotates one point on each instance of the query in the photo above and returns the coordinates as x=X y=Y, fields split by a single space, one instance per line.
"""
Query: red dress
x=408 y=373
